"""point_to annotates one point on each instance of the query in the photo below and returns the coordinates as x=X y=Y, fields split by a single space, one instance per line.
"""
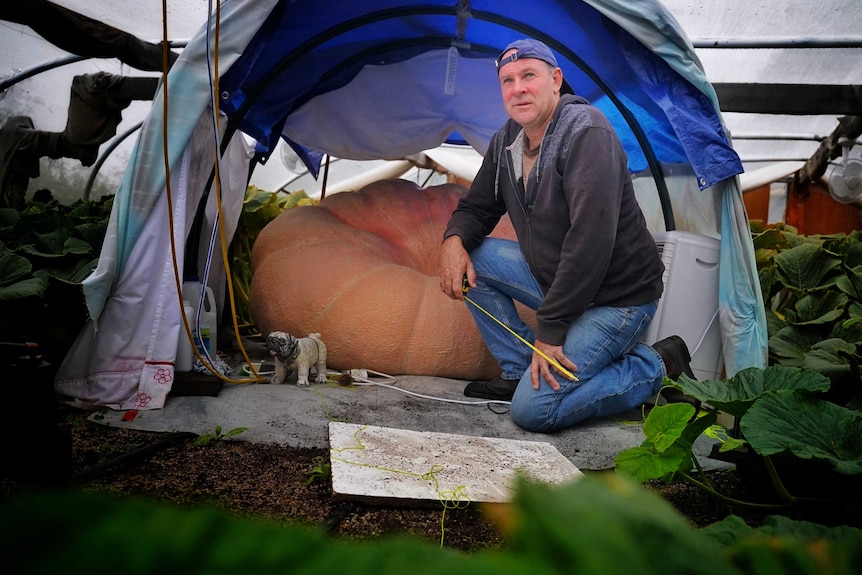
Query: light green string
x=323 y=403
x=454 y=499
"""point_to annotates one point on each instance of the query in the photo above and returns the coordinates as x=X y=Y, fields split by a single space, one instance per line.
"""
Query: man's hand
x=540 y=365
x=454 y=262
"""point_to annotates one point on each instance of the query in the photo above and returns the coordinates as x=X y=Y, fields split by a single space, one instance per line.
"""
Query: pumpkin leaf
x=13 y=267
x=736 y=394
x=47 y=245
x=767 y=274
x=8 y=217
x=763 y=256
x=728 y=531
x=695 y=428
x=774 y=323
x=771 y=239
x=92 y=233
x=837 y=243
x=727 y=443
x=819 y=308
x=807 y=427
x=76 y=246
x=68 y=271
x=792 y=343
x=853 y=256
x=623 y=509
x=667 y=447
x=780 y=526
x=849 y=330
x=666 y=424
x=30 y=287
x=773 y=550
x=644 y=463
x=805 y=267
x=829 y=364
x=851 y=283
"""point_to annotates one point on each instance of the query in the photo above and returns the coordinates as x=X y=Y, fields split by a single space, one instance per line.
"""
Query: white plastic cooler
x=689 y=306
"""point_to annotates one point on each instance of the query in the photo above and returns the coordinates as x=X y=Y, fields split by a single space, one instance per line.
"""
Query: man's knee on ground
x=529 y=419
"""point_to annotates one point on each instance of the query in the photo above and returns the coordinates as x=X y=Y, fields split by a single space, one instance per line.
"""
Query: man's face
x=531 y=89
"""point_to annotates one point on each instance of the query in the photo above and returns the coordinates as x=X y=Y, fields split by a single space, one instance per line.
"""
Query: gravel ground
x=290 y=485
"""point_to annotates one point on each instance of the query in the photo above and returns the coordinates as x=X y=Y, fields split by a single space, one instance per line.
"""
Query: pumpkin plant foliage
x=782 y=412
x=812 y=286
x=259 y=208
x=599 y=524
x=804 y=407
x=46 y=251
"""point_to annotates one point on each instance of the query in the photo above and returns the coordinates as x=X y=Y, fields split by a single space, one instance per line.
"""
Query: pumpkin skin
x=360 y=268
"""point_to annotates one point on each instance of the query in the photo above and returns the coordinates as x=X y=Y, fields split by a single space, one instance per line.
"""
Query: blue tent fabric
x=267 y=84
x=384 y=79
x=631 y=59
x=690 y=113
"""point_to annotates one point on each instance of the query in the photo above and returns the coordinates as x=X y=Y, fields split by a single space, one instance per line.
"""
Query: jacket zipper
x=521 y=196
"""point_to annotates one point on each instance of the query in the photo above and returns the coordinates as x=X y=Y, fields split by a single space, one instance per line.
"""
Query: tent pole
x=108 y=151
x=325 y=177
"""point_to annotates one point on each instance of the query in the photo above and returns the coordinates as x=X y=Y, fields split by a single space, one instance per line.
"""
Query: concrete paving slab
x=299 y=417
x=372 y=462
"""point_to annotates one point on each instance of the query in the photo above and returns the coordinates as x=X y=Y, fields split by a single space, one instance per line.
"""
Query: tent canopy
x=386 y=79
x=345 y=85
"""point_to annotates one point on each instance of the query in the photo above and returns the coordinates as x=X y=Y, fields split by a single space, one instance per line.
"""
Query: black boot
x=674 y=353
x=499 y=389
x=676 y=357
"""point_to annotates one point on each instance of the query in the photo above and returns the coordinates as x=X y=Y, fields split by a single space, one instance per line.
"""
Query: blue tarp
x=306 y=49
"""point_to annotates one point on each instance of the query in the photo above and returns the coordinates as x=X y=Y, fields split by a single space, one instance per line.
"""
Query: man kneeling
x=584 y=258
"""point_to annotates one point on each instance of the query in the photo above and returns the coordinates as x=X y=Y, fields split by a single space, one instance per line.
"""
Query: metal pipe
x=771 y=160
x=794 y=137
x=111 y=147
x=779 y=42
x=38 y=69
x=785 y=137
x=7 y=83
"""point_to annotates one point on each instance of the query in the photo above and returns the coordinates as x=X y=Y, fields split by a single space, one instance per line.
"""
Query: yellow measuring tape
x=465 y=286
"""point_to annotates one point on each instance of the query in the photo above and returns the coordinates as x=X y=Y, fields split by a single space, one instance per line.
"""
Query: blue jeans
x=616 y=372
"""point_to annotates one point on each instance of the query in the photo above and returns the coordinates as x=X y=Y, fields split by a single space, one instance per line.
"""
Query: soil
x=285 y=484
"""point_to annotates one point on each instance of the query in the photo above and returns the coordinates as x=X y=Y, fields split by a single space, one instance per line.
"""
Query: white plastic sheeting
x=790 y=25
x=784 y=45
x=123 y=358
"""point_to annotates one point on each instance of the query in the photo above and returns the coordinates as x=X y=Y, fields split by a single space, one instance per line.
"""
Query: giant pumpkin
x=360 y=268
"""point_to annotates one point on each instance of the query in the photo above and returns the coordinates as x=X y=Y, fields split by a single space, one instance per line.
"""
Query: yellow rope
x=548 y=358
x=255 y=378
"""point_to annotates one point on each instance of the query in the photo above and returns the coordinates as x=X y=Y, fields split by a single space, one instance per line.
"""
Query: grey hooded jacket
x=578 y=222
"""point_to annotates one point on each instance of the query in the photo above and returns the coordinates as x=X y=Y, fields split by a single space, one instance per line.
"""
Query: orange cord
x=179 y=290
